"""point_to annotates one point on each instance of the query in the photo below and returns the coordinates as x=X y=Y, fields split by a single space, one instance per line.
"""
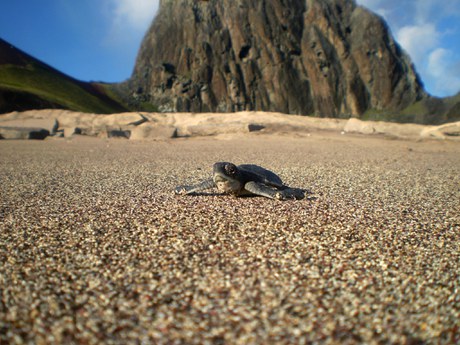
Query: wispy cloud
x=437 y=60
x=137 y=14
x=375 y=5
x=424 y=10
x=418 y=40
x=445 y=70
x=127 y=21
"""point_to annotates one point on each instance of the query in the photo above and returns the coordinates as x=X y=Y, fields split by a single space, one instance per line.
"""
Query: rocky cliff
x=321 y=57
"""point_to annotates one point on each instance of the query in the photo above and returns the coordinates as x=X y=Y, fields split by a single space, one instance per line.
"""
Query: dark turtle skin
x=244 y=180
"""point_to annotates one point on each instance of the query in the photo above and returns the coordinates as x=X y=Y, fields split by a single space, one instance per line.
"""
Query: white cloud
x=382 y=12
x=436 y=61
x=441 y=63
x=137 y=14
x=418 y=40
x=127 y=22
x=369 y=3
x=374 y=5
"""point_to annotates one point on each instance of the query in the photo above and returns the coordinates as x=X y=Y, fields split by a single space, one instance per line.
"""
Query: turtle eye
x=230 y=169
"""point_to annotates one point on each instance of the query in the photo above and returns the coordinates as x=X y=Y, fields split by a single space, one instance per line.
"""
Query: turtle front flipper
x=200 y=187
x=272 y=193
x=293 y=193
x=263 y=190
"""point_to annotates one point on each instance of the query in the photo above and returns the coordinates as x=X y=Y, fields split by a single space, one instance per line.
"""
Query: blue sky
x=99 y=39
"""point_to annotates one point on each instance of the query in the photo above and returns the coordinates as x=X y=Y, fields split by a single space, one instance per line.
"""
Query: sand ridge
x=154 y=126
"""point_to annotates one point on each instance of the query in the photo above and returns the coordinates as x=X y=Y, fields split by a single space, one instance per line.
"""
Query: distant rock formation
x=313 y=57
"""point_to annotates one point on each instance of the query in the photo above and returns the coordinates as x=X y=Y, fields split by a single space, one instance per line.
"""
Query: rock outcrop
x=28 y=128
x=23 y=133
x=323 y=57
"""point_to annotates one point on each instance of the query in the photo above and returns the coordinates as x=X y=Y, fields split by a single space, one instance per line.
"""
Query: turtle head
x=227 y=177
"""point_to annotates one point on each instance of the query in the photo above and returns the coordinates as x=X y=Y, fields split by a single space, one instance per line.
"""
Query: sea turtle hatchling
x=242 y=180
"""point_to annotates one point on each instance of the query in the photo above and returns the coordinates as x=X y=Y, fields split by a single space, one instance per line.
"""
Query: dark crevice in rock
x=244 y=52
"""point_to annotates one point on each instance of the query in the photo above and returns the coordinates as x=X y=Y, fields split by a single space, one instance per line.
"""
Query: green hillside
x=26 y=83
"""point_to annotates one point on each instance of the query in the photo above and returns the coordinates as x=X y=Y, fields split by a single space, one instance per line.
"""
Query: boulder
x=397 y=130
x=152 y=131
x=447 y=131
x=210 y=129
x=358 y=126
x=255 y=127
x=118 y=120
x=116 y=133
x=70 y=131
x=23 y=133
x=49 y=124
x=450 y=129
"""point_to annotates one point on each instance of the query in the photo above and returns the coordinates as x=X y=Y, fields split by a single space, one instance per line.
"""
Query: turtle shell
x=262 y=175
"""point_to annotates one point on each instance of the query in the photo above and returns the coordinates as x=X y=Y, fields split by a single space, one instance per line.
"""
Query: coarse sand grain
x=95 y=248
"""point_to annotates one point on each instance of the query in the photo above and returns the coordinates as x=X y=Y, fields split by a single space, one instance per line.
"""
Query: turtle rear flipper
x=200 y=187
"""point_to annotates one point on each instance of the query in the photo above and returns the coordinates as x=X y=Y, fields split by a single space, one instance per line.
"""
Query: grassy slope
x=53 y=88
x=431 y=110
x=454 y=107
x=22 y=74
x=435 y=110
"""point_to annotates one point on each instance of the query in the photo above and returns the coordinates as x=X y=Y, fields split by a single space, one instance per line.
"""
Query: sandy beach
x=95 y=248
